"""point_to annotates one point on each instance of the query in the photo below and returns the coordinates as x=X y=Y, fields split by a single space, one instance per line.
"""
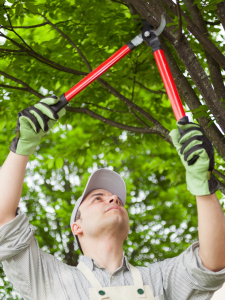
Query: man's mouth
x=114 y=207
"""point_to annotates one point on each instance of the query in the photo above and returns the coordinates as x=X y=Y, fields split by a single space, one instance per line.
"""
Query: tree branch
x=43 y=59
x=197 y=32
x=70 y=41
x=189 y=96
x=27 y=87
x=113 y=123
x=141 y=111
x=26 y=27
x=38 y=25
x=187 y=56
x=14 y=30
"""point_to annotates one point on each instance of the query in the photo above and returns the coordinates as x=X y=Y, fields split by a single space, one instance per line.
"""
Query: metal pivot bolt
x=147 y=33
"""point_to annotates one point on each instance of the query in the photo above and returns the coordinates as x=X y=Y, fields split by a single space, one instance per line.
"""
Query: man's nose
x=114 y=199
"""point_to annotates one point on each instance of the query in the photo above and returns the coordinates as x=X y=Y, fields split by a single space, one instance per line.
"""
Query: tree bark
x=190 y=61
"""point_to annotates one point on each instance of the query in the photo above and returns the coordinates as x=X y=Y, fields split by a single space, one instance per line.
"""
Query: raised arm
x=11 y=183
x=32 y=125
x=197 y=155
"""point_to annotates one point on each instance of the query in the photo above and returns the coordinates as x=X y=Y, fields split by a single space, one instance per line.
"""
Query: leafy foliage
x=40 y=61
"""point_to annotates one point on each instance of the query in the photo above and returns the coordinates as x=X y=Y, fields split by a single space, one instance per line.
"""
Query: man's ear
x=76 y=229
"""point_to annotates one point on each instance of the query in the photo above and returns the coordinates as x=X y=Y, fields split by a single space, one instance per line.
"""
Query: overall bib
x=138 y=291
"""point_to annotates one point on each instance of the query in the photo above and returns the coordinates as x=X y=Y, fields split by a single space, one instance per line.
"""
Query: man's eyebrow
x=99 y=194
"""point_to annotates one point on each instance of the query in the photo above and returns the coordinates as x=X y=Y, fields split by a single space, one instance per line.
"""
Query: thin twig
x=119 y=2
x=135 y=71
x=15 y=31
x=44 y=59
x=149 y=90
x=141 y=111
x=28 y=88
x=219 y=174
x=26 y=27
x=12 y=87
x=113 y=123
x=9 y=50
x=70 y=41
x=38 y=25
x=106 y=108
x=213 y=23
x=139 y=119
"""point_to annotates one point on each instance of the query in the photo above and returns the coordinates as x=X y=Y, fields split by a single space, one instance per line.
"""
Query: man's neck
x=107 y=254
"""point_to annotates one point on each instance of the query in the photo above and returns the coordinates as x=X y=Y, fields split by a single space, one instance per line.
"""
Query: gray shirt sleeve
x=186 y=275
x=24 y=263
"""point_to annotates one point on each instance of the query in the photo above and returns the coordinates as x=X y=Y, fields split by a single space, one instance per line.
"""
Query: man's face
x=102 y=214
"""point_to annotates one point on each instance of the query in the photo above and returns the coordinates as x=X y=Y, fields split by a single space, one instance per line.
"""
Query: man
x=100 y=224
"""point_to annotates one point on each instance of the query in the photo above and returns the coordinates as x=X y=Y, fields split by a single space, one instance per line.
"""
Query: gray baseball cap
x=101 y=179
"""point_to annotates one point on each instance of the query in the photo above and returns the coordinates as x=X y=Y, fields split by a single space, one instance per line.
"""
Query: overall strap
x=138 y=282
x=89 y=275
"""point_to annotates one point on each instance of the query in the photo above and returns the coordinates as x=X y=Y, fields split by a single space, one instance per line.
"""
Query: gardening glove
x=197 y=155
x=32 y=125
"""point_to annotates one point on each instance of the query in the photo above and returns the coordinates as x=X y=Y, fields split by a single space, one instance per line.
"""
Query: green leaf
x=19 y=9
x=31 y=7
x=175 y=29
x=2 y=20
x=197 y=2
x=215 y=1
x=81 y=160
x=59 y=163
x=210 y=7
x=200 y=114
x=2 y=123
x=2 y=2
x=210 y=123
x=11 y=1
x=201 y=108
x=50 y=163
x=58 y=85
x=135 y=16
x=171 y=24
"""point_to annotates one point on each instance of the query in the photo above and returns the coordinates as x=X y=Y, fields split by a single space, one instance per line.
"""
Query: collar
x=91 y=263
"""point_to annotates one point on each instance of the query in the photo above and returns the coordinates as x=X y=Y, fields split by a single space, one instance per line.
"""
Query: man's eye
x=97 y=198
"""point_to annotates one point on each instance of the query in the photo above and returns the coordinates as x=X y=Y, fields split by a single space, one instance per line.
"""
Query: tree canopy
x=121 y=121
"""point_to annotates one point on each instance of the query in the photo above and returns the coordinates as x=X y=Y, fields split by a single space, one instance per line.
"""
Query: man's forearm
x=11 y=183
x=211 y=226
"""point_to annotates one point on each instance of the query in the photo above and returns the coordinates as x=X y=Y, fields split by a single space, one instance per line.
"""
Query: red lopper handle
x=97 y=72
x=169 y=84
